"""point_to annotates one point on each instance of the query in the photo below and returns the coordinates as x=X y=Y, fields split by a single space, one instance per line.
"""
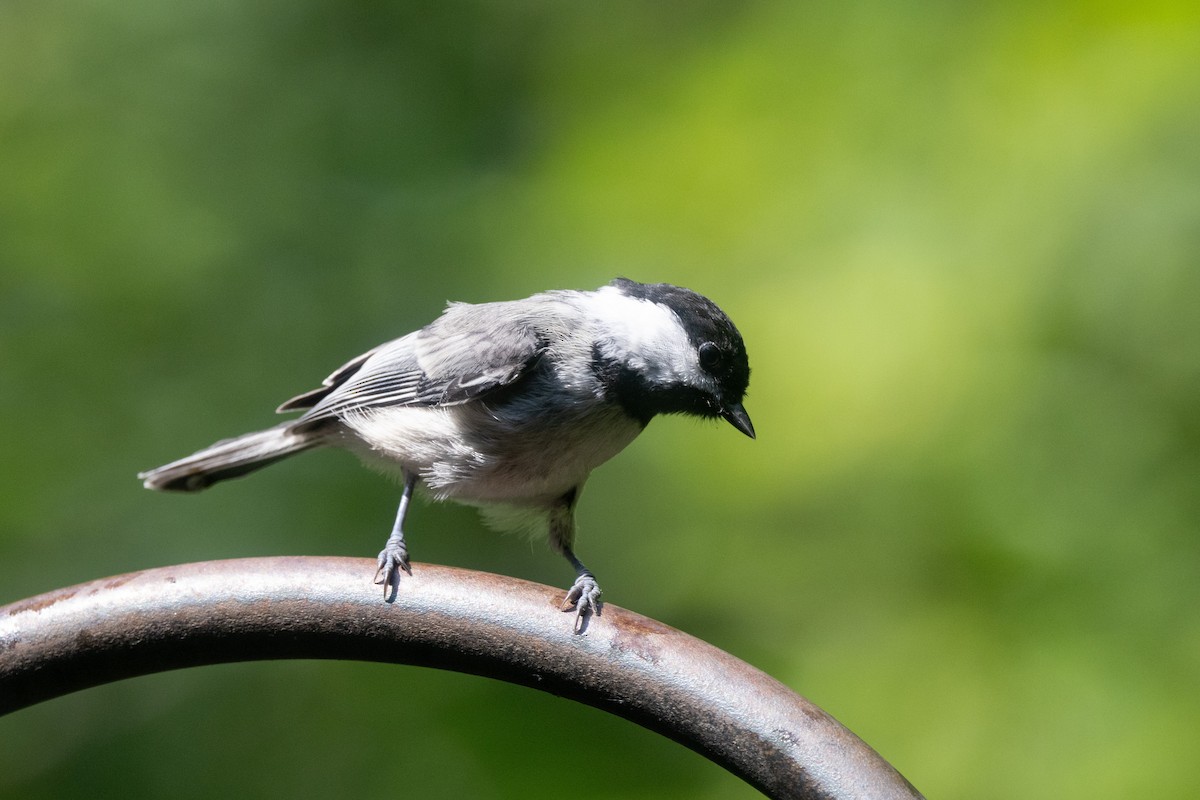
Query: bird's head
x=663 y=349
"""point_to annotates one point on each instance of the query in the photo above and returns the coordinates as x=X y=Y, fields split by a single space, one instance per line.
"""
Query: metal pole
x=271 y=608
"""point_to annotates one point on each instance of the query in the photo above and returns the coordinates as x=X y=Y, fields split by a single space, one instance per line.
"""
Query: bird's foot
x=392 y=559
x=584 y=599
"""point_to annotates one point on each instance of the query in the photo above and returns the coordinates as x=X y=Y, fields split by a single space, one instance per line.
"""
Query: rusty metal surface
x=455 y=619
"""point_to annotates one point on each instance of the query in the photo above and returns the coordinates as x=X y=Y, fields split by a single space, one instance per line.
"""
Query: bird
x=507 y=406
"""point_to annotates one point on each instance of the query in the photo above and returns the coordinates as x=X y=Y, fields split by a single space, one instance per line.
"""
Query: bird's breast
x=476 y=453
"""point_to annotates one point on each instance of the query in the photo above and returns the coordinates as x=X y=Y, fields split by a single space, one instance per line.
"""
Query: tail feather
x=231 y=458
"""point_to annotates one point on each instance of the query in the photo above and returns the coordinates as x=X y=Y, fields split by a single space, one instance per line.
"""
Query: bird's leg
x=584 y=594
x=394 y=555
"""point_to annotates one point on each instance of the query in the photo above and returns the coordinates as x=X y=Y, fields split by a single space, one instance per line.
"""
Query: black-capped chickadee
x=508 y=406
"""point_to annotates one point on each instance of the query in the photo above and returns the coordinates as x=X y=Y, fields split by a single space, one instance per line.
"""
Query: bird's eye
x=710 y=355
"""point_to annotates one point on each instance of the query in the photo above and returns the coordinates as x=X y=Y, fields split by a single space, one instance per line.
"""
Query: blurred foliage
x=961 y=241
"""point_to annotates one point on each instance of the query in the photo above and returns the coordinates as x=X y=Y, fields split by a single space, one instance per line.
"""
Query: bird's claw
x=584 y=599
x=392 y=559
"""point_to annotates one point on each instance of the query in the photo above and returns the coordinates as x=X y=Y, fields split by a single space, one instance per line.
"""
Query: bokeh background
x=962 y=244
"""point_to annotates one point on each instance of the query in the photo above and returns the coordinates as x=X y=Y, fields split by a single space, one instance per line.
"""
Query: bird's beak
x=736 y=416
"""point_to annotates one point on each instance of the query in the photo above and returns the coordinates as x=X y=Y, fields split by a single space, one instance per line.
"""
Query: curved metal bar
x=271 y=608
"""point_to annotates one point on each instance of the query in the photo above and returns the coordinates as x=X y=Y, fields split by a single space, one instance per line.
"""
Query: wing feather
x=467 y=352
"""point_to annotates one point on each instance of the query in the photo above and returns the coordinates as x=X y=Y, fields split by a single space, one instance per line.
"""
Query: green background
x=961 y=241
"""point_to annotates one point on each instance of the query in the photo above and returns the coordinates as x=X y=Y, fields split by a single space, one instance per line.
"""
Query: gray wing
x=467 y=352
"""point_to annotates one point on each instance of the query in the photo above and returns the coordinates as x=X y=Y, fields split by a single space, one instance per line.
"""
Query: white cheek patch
x=646 y=335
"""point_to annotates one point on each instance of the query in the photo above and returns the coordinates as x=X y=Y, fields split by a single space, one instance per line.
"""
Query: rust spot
x=640 y=636
x=636 y=623
x=120 y=580
x=112 y=583
x=40 y=602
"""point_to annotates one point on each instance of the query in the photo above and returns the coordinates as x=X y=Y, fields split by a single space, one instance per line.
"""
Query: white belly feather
x=464 y=453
